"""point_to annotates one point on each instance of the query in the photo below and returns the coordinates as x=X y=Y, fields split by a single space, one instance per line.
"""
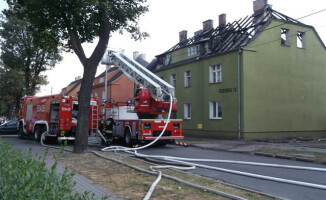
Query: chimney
x=198 y=32
x=182 y=36
x=207 y=25
x=222 y=20
x=259 y=5
x=135 y=55
x=143 y=56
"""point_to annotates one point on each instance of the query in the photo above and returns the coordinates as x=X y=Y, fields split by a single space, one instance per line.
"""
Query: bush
x=26 y=177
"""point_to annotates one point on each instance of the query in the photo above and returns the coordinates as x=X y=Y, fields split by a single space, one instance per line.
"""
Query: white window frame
x=187 y=78
x=167 y=59
x=187 y=111
x=173 y=80
x=215 y=110
x=101 y=79
x=215 y=73
x=194 y=50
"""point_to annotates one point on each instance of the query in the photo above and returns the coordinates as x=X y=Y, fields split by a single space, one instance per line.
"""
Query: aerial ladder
x=139 y=74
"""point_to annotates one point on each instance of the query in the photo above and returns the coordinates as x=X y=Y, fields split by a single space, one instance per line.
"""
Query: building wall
x=284 y=92
x=181 y=54
x=120 y=90
x=282 y=87
x=201 y=92
x=73 y=92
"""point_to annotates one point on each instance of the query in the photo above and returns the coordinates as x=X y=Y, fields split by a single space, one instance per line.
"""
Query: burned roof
x=235 y=35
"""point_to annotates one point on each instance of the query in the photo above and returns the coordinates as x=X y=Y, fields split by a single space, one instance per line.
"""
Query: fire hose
x=183 y=161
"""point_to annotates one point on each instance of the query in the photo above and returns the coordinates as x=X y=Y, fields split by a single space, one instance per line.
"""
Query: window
x=194 y=50
x=101 y=79
x=215 y=110
x=167 y=59
x=301 y=40
x=285 y=37
x=187 y=111
x=215 y=72
x=173 y=80
x=95 y=94
x=187 y=77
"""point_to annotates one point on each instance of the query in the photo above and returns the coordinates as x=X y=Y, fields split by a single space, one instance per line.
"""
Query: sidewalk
x=83 y=184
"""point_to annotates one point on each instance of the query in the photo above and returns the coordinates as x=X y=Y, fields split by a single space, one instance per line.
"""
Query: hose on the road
x=183 y=161
x=171 y=178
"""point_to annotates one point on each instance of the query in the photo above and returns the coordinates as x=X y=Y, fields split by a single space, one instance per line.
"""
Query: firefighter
x=138 y=89
x=109 y=123
x=101 y=124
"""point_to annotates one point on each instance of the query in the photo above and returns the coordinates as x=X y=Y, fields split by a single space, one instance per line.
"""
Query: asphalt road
x=281 y=190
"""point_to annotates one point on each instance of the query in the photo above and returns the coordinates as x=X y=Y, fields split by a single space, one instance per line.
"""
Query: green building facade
x=260 y=77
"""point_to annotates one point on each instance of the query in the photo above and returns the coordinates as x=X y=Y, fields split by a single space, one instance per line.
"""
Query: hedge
x=25 y=176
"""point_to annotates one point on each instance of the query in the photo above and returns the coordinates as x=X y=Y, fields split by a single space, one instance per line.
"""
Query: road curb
x=264 y=154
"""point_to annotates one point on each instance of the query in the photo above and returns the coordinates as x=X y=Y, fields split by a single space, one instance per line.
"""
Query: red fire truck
x=142 y=120
x=55 y=114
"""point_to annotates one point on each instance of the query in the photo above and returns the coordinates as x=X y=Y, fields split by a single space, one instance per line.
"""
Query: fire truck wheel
x=128 y=141
x=37 y=134
x=21 y=132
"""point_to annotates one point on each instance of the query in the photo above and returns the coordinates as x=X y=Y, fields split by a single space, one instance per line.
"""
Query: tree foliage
x=25 y=54
x=73 y=22
x=11 y=90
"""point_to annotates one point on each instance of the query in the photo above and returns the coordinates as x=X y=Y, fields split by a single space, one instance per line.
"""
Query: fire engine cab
x=54 y=115
x=141 y=120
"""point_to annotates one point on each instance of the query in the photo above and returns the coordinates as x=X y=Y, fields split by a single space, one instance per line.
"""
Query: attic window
x=194 y=50
x=301 y=40
x=167 y=59
x=285 y=37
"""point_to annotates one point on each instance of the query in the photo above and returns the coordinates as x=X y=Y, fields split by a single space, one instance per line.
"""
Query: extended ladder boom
x=139 y=74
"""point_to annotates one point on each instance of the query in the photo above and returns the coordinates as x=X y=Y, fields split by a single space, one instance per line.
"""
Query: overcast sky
x=166 y=18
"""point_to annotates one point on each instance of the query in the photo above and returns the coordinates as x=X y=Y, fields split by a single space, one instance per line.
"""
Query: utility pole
x=106 y=82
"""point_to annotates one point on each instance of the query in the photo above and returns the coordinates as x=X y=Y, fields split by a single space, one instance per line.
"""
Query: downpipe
x=239 y=94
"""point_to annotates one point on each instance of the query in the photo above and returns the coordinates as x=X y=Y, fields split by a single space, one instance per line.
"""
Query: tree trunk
x=84 y=98
x=90 y=66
